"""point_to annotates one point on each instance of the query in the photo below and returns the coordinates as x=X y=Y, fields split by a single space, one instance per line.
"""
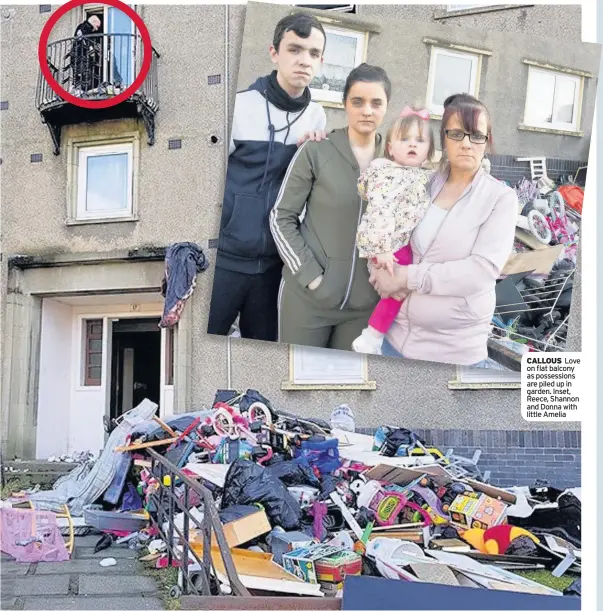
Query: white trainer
x=367 y=343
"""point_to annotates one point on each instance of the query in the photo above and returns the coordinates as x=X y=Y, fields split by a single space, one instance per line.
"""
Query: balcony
x=97 y=67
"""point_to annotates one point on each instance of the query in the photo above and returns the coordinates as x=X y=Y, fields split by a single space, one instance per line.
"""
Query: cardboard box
x=238 y=531
x=285 y=542
x=476 y=510
x=301 y=562
x=245 y=529
x=334 y=568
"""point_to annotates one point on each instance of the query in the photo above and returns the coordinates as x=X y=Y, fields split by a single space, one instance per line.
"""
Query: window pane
x=91 y=361
x=94 y=375
x=452 y=75
x=340 y=56
x=94 y=359
x=565 y=92
x=541 y=91
x=121 y=47
x=107 y=187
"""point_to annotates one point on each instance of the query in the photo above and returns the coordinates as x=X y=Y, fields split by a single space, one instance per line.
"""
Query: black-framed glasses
x=459 y=135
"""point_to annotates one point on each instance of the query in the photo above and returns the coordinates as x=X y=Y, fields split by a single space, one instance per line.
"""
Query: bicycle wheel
x=557 y=205
x=539 y=227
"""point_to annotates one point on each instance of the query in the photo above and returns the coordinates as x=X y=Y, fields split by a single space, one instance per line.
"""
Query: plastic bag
x=295 y=472
x=247 y=483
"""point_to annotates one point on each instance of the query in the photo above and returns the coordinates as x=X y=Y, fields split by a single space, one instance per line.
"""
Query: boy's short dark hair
x=299 y=23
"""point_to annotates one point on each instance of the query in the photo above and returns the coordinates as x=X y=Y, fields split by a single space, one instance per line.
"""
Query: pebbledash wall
x=180 y=197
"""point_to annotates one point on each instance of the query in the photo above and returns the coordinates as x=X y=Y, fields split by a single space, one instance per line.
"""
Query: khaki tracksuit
x=322 y=179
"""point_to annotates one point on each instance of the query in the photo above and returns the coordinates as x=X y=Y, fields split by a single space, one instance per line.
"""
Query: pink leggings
x=386 y=310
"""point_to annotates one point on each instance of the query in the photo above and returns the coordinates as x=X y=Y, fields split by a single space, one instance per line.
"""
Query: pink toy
x=31 y=536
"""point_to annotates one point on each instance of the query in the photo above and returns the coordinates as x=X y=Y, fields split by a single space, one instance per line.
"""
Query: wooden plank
x=528 y=239
x=142 y=446
x=164 y=426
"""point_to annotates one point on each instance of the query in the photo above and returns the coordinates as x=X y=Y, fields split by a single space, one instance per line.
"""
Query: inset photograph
x=428 y=208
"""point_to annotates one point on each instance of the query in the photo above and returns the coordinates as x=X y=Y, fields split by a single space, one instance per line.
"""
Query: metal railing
x=174 y=495
x=97 y=67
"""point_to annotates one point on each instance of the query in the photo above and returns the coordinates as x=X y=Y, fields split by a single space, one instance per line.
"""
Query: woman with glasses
x=459 y=249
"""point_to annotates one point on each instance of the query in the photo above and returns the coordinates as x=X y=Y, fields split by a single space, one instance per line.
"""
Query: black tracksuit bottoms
x=252 y=296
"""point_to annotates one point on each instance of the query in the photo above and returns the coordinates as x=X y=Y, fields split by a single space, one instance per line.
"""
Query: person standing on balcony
x=86 y=53
x=270 y=120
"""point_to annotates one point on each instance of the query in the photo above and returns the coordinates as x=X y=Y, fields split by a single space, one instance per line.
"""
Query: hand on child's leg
x=385 y=260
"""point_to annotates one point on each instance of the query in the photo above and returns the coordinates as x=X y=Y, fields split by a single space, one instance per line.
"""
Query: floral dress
x=397 y=200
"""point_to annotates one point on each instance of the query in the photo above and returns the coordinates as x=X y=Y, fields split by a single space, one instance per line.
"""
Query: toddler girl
x=395 y=188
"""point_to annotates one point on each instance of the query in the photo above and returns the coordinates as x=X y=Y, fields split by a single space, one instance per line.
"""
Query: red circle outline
x=124 y=95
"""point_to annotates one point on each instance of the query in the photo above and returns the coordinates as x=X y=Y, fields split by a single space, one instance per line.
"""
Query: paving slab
x=111 y=552
x=86 y=566
x=13 y=569
x=98 y=584
x=8 y=603
x=85 y=603
x=34 y=585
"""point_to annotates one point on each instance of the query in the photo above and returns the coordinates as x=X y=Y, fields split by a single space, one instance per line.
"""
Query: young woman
x=325 y=298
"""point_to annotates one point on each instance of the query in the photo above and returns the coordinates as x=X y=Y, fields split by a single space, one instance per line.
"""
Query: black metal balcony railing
x=97 y=67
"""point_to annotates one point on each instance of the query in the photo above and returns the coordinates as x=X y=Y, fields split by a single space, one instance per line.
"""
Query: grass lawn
x=545 y=578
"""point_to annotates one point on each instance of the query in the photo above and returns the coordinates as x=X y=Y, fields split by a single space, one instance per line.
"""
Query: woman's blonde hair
x=402 y=125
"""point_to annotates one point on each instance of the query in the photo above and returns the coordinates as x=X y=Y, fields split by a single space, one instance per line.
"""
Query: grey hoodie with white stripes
x=322 y=182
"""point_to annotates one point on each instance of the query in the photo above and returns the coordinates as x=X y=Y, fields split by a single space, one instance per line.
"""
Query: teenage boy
x=270 y=119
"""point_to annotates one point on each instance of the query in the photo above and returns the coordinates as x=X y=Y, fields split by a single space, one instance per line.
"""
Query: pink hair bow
x=407 y=111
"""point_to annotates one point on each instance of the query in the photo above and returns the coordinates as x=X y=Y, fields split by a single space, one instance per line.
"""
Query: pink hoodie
x=446 y=318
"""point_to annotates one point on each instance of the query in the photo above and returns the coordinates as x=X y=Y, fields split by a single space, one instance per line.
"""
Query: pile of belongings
x=305 y=505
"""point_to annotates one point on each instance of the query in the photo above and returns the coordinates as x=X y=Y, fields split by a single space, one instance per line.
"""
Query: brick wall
x=505 y=167
x=515 y=458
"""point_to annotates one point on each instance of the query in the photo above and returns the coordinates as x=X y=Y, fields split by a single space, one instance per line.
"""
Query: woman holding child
x=436 y=243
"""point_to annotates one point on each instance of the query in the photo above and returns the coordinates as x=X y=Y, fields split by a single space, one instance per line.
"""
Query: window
x=552 y=100
x=326 y=369
x=169 y=356
x=345 y=49
x=488 y=374
x=119 y=47
x=451 y=72
x=102 y=179
x=92 y=361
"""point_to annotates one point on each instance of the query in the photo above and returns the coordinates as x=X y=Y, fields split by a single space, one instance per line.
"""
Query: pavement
x=80 y=583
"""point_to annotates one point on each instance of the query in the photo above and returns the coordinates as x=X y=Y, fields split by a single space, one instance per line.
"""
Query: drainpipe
x=226 y=144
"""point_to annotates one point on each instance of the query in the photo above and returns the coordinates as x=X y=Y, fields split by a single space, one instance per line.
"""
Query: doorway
x=119 y=44
x=135 y=363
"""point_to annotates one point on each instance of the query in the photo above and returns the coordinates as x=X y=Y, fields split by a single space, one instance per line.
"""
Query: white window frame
x=335 y=98
x=352 y=374
x=83 y=154
x=574 y=126
x=438 y=109
x=476 y=378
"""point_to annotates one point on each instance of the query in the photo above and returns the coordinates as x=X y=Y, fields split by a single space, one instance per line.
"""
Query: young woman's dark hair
x=300 y=24
x=468 y=109
x=364 y=73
